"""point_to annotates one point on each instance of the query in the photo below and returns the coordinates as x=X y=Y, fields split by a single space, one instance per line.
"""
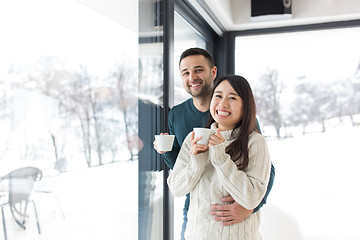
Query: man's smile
x=195 y=84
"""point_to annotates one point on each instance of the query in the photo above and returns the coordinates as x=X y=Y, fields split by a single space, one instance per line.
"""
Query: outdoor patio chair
x=20 y=186
x=47 y=186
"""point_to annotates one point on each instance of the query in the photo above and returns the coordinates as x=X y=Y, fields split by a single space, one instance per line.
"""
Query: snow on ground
x=316 y=183
x=98 y=203
x=315 y=195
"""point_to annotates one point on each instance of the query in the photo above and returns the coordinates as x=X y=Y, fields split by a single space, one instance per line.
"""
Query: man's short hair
x=198 y=51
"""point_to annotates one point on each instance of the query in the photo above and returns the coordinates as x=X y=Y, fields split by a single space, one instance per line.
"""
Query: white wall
x=121 y=11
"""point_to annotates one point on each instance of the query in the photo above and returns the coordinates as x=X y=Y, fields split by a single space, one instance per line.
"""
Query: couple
x=235 y=166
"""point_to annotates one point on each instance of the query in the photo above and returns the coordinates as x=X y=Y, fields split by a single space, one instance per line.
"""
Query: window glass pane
x=307 y=90
x=185 y=37
x=151 y=117
x=68 y=97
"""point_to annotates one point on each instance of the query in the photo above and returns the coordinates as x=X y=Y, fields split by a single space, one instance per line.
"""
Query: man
x=197 y=71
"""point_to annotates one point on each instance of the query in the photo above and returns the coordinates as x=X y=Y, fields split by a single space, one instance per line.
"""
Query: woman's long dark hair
x=239 y=147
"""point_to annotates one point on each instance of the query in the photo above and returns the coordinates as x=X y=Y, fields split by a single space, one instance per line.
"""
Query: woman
x=236 y=162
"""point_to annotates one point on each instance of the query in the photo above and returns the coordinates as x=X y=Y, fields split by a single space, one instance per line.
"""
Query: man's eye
x=198 y=70
x=184 y=74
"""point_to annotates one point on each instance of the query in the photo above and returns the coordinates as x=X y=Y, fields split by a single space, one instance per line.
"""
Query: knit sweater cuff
x=198 y=161
x=217 y=154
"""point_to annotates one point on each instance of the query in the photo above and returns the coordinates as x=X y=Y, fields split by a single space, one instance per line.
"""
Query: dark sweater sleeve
x=170 y=157
x=271 y=179
x=269 y=187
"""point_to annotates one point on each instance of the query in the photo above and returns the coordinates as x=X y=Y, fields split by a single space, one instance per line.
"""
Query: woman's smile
x=223 y=113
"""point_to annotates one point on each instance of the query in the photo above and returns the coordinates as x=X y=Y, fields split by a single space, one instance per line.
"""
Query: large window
x=185 y=37
x=68 y=97
x=307 y=89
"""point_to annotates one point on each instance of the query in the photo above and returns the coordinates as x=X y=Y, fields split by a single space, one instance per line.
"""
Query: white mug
x=164 y=142
x=205 y=134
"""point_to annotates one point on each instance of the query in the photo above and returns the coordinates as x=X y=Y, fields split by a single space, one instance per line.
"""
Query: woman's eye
x=217 y=96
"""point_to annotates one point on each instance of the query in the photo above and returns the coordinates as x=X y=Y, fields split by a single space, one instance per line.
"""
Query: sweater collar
x=226 y=134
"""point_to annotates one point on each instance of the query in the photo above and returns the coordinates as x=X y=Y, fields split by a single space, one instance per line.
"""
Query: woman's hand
x=195 y=147
x=216 y=139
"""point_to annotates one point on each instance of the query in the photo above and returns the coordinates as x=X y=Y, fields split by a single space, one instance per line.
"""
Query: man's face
x=196 y=75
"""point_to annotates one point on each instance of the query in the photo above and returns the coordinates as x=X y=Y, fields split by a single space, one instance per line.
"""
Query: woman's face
x=226 y=106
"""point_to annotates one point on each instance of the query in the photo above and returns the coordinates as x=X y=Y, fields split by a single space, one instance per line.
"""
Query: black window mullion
x=168 y=93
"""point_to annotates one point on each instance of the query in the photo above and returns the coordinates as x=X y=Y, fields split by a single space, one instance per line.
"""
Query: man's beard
x=204 y=91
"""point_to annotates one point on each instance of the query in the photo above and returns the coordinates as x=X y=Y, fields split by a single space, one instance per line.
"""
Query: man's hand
x=230 y=212
x=155 y=145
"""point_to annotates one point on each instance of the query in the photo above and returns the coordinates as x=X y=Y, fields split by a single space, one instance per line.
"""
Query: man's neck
x=202 y=103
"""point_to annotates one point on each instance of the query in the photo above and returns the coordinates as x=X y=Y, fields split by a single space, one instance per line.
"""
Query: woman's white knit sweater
x=212 y=175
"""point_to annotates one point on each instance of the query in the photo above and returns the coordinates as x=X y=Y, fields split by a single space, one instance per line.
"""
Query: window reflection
x=307 y=94
x=151 y=115
x=150 y=123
